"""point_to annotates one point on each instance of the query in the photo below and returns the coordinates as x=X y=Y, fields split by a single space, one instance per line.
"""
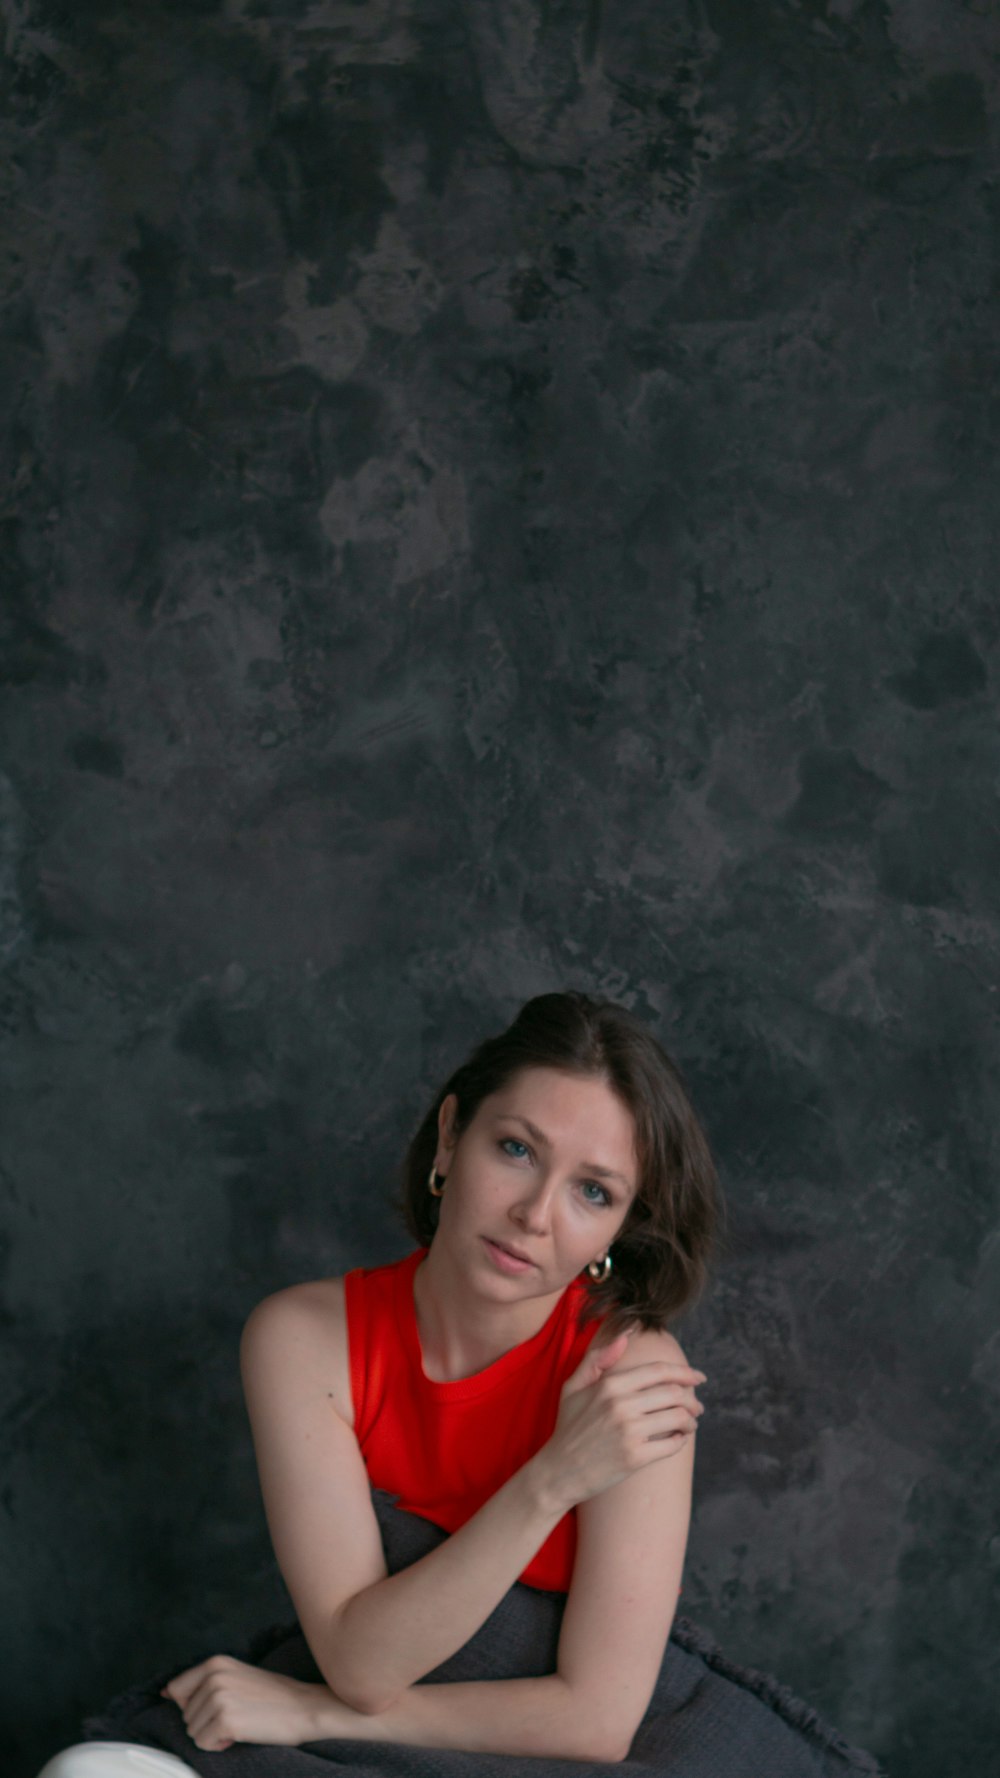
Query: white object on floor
x=115 y=1759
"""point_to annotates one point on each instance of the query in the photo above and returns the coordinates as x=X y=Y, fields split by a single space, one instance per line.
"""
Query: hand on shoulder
x=646 y=1345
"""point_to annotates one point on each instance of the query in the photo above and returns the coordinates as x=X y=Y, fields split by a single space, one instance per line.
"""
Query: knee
x=115 y=1759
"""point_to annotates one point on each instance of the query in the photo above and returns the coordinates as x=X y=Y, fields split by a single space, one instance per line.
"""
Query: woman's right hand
x=612 y=1422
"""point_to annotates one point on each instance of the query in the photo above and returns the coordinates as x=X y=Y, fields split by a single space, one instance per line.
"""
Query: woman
x=511 y=1387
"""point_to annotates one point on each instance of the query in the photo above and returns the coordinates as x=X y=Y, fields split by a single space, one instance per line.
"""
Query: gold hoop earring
x=433 y=1187
x=599 y=1273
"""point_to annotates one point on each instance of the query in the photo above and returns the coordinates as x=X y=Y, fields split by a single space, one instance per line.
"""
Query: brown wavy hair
x=661 y=1254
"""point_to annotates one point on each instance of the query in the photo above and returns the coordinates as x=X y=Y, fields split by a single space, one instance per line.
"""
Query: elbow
x=613 y=1752
x=606 y=1743
x=367 y=1704
x=617 y=1745
x=352 y=1691
x=335 y=1652
x=355 y=1696
x=623 y=1747
x=609 y=1753
x=596 y=1734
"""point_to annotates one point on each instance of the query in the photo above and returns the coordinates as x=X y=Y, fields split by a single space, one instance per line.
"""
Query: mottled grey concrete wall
x=498 y=497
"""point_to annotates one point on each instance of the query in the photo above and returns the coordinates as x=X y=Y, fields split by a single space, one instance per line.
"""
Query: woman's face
x=548 y=1167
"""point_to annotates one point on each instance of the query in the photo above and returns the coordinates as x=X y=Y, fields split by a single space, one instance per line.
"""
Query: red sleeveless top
x=445 y=1448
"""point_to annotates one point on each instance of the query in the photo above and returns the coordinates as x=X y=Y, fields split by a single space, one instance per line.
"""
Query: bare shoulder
x=657 y=1342
x=312 y=1295
x=646 y=1345
x=312 y=1316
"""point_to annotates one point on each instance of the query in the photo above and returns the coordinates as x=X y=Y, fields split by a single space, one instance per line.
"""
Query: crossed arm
x=374 y=1635
x=614 y=1630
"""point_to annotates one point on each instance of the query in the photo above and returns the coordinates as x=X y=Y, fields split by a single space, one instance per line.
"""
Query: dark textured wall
x=498 y=497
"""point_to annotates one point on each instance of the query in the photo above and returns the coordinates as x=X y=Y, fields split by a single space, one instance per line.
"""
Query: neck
x=464 y=1325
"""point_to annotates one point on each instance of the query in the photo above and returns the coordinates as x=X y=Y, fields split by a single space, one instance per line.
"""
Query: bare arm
x=621 y=1603
x=544 y=1716
x=391 y=1634
x=372 y=1635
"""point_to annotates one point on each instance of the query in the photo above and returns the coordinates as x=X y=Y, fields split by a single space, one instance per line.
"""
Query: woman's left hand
x=223 y=1700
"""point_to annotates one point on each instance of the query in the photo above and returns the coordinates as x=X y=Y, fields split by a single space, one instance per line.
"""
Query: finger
x=645 y=1376
x=199 y=1705
x=689 y=1372
x=202 y=1722
x=669 y=1367
x=602 y=1356
x=669 y=1395
x=676 y=1367
x=599 y=1362
x=665 y=1443
x=183 y=1684
x=659 y=1408
x=668 y=1421
x=681 y=1395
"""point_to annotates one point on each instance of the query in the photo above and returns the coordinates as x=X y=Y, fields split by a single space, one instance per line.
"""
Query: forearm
x=393 y=1633
x=536 y=1716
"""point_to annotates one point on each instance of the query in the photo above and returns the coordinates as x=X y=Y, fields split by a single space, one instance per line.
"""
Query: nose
x=533 y=1211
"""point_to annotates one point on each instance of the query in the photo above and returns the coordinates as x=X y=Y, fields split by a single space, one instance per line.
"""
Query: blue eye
x=514 y=1140
x=601 y=1188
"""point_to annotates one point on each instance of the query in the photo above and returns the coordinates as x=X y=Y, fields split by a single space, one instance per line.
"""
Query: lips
x=514 y=1252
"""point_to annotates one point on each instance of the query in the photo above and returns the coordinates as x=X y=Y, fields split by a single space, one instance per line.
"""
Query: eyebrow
x=540 y=1136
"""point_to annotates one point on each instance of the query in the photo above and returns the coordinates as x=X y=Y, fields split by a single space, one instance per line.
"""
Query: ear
x=446 y=1113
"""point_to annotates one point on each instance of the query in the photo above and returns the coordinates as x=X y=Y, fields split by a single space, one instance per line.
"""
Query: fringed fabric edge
x=780 y=1698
